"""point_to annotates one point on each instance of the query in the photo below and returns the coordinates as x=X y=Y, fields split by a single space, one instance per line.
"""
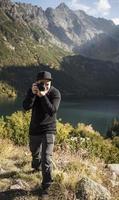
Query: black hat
x=44 y=75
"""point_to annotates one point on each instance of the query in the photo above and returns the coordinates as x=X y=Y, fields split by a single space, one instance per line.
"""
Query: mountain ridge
x=74 y=31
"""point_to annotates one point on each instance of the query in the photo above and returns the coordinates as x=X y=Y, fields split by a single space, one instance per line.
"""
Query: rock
x=114 y=183
x=114 y=168
x=22 y=183
x=15 y=187
x=2 y=171
x=19 y=184
x=114 y=176
x=88 y=189
x=5 y=3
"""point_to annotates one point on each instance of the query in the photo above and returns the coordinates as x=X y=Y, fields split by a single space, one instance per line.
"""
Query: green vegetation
x=79 y=152
x=24 y=45
x=68 y=169
x=7 y=90
x=15 y=127
x=96 y=145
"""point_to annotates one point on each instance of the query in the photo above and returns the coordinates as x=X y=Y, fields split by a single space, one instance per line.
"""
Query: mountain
x=91 y=77
x=92 y=37
x=104 y=47
x=23 y=38
x=78 y=77
x=29 y=30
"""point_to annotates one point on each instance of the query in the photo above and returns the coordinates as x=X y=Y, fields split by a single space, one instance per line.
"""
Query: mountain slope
x=77 y=77
x=59 y=28
x=24 y=44
x=92 y=77
x=104 y=47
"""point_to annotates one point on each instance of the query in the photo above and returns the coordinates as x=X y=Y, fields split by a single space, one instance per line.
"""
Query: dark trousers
x=41 y=147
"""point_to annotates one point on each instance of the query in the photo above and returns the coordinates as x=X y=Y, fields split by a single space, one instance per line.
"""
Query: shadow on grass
x=21 y=164
x=20 y=193
x=8 y=175
x=12 y=194
x=14 y=174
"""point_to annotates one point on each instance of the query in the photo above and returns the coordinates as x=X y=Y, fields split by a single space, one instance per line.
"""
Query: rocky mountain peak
x=49 y=11
x=73 y=30
x=61 y=9
x=62 y=6
x=29 y=9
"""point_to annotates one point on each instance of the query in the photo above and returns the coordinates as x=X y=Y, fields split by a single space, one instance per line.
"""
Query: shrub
x=3 y=133
x=15 y=127
x=96 y=145
x=7 y=90
x=63 y=132
x=18 y=125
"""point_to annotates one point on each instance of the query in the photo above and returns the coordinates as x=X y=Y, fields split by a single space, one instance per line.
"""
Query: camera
x=41 y=86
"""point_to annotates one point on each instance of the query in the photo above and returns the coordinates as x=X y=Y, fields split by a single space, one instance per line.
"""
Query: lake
x=98 y=112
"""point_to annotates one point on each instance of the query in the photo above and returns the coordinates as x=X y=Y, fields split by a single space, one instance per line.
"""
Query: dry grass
x=68 y=170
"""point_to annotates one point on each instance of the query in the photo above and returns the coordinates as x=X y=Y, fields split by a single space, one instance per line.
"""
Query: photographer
x=44 y=101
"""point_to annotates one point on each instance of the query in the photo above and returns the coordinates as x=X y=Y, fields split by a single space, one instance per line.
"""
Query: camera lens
x=41 y=86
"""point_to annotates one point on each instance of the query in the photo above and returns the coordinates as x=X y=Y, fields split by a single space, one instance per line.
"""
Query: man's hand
x=34 y=88
x=46 y=86
x=42 y=93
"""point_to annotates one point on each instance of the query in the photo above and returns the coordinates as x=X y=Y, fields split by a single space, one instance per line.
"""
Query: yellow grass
x=68 y=169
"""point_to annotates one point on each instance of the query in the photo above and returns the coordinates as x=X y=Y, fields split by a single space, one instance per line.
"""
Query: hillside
x=81 y=166
x=84 y=163
x=77 y=77
x=23 y=44
x=92 y=77
x=18 y=182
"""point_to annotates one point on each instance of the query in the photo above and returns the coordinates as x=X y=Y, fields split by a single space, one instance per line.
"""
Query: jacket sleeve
x=29 y=100
x=51 y=106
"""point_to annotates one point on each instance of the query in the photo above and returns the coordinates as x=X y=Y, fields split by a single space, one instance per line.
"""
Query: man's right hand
x=34 y=88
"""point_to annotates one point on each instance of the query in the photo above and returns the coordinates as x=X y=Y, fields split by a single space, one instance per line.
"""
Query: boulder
x=88 y=189
x=19 y=184
x=114 y=168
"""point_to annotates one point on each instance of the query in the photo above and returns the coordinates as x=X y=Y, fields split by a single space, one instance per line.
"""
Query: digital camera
x=41 y=86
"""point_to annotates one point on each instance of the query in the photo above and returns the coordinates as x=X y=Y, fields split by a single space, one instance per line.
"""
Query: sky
x=108 y=9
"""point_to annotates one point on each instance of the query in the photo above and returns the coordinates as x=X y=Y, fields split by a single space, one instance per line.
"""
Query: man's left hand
x=42 y=93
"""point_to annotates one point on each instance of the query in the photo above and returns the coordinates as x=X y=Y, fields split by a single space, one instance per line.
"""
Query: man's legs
x=35 y=145
x=47 y=150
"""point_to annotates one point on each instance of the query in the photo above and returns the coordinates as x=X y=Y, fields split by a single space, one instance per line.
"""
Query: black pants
x=41 y=147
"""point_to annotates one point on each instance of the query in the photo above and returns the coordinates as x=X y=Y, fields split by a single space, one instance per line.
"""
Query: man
x=44 y=101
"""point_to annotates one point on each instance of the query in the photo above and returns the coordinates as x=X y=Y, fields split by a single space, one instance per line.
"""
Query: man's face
x=46 y=83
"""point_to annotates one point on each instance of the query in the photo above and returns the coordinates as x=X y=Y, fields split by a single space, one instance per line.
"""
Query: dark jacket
x=44 y=109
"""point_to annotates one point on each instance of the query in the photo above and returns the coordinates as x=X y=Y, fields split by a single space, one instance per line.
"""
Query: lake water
x=98 y=112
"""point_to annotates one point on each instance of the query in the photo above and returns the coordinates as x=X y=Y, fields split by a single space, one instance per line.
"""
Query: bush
x=7 y=90
x=15 y=127
x=96 y=145
x=63 y=132
x=3 y=133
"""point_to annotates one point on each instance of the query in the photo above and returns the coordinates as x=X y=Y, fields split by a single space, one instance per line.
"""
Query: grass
x=31 y=45
x=68 y=169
